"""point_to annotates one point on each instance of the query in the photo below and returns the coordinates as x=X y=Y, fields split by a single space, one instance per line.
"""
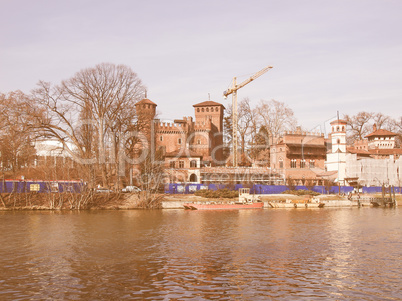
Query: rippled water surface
x=271 y=254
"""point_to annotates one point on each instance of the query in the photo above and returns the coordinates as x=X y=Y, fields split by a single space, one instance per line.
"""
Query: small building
x=371 y=162
x=299 y=155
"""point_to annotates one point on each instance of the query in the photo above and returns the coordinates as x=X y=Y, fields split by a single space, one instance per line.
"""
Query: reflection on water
x=339 y=254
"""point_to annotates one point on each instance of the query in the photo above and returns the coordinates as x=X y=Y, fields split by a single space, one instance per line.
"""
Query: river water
x=269 y=254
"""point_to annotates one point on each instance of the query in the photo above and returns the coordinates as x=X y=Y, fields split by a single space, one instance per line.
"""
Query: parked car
x=131 y=189
x=103 y=190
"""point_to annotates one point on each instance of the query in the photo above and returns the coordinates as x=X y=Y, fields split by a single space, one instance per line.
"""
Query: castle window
x=181 y=164
x=337 y=128
x=199 y=141
x=161 y=138
x=193 y=163
x=172 y=164
x=216 y=109
x=303 y=163
x=202 y=110
x=198 y=109
x=293 y=163
x=207 y=109
x=280 y=163
x=338 y=141
x=343 y=128
x=179 y=141
x=312 y=163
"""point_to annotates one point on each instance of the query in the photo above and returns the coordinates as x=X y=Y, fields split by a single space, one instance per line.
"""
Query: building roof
x=389 y=151
x=207 y=103
x=306 y=145
x=339 y=121
x=184 y=153
x=360 y=152
x=146 y=101
x=381 y=133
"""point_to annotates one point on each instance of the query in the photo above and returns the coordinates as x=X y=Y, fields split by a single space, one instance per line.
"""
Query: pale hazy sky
x=328 y=56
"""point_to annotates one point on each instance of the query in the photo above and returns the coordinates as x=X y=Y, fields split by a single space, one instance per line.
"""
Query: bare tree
x=396 y=127
x=276 y=117
x=16 y=143
x=359 y=125
x=95 y=102
x=381 y=121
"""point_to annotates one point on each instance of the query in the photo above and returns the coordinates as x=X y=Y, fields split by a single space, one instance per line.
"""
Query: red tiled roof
x=185 y=153
x=361 y=152
x=389 y=151
x=339 y=121
x=146 y=101
x=207 y=103
x=381 y=132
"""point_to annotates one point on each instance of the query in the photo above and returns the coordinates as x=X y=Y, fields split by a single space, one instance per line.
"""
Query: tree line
x=259 y=125
x=92 y=116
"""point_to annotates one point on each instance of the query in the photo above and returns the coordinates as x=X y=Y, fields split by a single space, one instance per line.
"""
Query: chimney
x=374 y=127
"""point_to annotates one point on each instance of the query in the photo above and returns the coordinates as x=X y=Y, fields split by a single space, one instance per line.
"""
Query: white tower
x=336 y=158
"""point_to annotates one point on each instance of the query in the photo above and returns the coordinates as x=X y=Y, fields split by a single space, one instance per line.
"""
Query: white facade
x=374 y=172
x=51 y=148
x=336 y=159
x=387 y=142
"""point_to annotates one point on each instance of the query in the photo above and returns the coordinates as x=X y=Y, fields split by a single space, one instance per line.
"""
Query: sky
x=327 y=56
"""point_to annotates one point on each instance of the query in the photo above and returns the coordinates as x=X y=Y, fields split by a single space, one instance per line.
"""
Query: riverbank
x=128 y=201
x=277 y=200
x=78 y=201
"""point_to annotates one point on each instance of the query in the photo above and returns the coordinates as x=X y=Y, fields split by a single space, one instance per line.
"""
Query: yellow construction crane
x=233 y=91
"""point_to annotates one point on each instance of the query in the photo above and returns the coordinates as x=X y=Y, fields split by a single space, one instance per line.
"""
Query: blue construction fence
x=22 y=186
x=177 y=188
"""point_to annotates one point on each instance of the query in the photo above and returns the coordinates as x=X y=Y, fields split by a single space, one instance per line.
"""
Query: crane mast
x=233 y=91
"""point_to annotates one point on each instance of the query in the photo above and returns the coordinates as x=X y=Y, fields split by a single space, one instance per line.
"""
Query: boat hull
x=224 y=206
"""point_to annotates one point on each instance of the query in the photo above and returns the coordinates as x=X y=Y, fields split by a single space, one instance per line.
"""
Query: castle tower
x=210 y=110
x=146 y=111
x=209 y=119
x=336 y=158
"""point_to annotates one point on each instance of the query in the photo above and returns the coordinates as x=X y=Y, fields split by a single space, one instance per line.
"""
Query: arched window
x=198 y=109
x=207 y=109
x=193 y=178
x=280 y=163
x=202 y=110
x=293 y=163
x=193 y=163
x=216 y=109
